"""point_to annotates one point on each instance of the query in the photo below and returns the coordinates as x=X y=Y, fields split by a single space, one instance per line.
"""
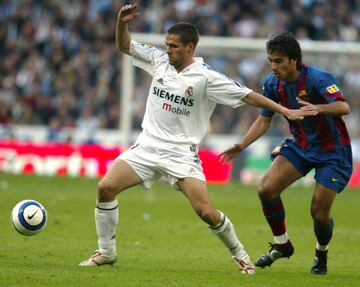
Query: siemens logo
x=173 y=98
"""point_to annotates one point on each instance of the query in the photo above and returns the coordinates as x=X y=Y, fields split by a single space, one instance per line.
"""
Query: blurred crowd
x=59 y=66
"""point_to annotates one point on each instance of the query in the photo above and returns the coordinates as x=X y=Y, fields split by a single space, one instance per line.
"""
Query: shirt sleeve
x=328 y=87
x=270 y=95
x=146 y=56
x=225 y=91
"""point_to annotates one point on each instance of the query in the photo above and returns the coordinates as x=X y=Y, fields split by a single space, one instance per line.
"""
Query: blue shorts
x=332 y=169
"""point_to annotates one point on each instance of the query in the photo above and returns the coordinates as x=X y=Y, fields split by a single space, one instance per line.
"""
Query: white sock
x=281 y=239
x=226 y=233
x=106 y=219
x=322 y=247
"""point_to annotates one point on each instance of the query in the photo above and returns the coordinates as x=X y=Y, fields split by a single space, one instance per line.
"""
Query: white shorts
x=152 y=158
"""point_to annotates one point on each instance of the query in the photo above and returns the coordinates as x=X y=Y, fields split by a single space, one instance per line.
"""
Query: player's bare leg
x=196 y=191
x=279 y=176
x=322 y=201
x=119 y=177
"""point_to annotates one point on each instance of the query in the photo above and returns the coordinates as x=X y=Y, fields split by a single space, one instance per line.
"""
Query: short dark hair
x=285 y=44
x=188 y=32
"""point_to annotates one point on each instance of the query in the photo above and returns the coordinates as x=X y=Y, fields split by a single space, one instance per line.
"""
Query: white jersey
x=179 y=105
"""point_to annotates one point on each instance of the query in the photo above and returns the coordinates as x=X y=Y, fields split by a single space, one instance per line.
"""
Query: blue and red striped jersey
x=321 y=132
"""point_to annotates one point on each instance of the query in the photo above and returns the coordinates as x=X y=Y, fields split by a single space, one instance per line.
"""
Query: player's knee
x=106 y=192
x=266 y=189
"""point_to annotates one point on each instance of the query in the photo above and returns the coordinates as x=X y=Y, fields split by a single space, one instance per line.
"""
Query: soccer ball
x=28 y=217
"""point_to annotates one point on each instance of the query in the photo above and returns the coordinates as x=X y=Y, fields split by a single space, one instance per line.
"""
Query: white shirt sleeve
x=146 y=56
x=225 y=91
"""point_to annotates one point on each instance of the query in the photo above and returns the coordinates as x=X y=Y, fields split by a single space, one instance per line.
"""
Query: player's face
x=179 y=53
x=283 y=67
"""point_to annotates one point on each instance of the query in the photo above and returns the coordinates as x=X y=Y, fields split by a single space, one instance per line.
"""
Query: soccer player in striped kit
x=320 y=142
x=183 y=94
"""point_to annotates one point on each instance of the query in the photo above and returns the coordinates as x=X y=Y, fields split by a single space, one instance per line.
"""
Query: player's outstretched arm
x=257 y=129
x=123 y=38
x=258 y=100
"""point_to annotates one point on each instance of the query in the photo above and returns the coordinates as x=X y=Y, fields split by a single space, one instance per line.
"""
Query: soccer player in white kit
x=183 y=94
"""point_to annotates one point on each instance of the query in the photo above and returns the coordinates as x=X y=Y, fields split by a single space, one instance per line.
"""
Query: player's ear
x=191 y=46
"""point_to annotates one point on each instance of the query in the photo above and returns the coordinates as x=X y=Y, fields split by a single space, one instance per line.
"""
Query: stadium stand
x=60 y=67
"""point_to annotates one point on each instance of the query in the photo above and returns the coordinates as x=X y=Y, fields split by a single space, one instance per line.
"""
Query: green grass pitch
x=160 y=240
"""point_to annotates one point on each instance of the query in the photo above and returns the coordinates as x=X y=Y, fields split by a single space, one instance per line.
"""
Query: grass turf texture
x=160 y=240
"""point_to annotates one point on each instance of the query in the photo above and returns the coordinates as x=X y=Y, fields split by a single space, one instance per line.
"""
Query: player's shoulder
x=149 y=49
x=270 y=81
x=147 y=46
x=271 y=78
x=208 y=72
x=316 y=73
x=203 y=67
x=318 y=78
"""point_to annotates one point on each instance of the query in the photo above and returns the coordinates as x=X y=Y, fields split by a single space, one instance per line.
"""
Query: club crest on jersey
x=189 y=91
x=332 y=89
x=302 y=94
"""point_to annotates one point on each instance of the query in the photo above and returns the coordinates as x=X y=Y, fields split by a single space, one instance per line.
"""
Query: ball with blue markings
x=28 y=217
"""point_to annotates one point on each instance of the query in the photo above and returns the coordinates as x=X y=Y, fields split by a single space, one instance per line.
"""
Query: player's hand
x=308 y=107
x=127 y=13
x=231 y=153
x=296 y=115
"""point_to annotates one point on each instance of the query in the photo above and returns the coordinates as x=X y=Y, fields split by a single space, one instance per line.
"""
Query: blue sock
x=324 y=234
